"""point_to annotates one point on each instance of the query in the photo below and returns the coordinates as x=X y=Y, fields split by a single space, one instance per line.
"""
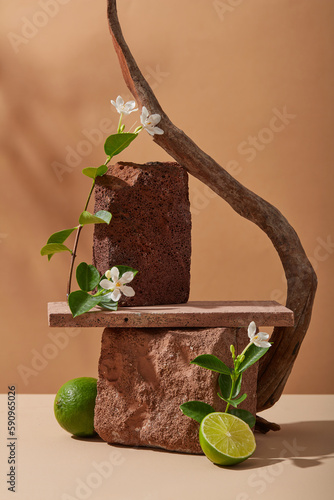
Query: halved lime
x=225 y=439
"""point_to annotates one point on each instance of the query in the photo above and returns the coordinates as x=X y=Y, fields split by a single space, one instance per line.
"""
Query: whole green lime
x=74 y=406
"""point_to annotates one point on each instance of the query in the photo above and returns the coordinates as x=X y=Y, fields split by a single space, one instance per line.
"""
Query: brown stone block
x=144 y=376
x=150 y=229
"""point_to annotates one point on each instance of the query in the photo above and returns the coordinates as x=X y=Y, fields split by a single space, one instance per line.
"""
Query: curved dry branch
x=276 y=366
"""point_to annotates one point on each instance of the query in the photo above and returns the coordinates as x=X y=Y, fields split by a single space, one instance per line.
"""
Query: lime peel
x=74 y=406
x=226 y=439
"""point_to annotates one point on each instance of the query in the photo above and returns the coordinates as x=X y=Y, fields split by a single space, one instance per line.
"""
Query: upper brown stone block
x=150 y=229
x=192 y=314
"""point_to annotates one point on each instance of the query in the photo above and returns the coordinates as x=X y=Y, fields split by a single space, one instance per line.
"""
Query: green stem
x=76 y=241
x=119 y=124
x=247 y=346
x=100 y=292
x=231 y=393
x=73 y=259
x=90 y=194
x=77 y=236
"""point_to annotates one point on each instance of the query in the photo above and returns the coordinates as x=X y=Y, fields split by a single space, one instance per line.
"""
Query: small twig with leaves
x=230 y=379
x=113 y=282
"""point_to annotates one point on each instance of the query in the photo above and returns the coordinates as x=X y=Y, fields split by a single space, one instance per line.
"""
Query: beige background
x=222 y=74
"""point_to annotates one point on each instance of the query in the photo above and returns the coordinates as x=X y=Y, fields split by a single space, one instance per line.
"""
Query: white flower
x=116 y=285
x=122 y=108
x=149 y=122
x=260 y=339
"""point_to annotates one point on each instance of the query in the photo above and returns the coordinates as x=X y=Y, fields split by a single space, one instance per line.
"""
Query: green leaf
x=107 y=302
x=234 y=402
x=52 y=248
x=239 y=400
x=225 y=385
x=60 y=237
x=104 y=215
x=196 y=410
x=81 y=302
x=101 y=170
x=116 y=143
x=211 y=362
x=244 y=415
x=109 y=305
x=101 y=217
x=93 y=172
x=252 y=355
x=88 y=277
x=237 y=386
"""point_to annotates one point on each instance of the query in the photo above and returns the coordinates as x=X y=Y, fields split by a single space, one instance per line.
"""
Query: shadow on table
x=306 y=444
x=92 y=439
x=155 y=449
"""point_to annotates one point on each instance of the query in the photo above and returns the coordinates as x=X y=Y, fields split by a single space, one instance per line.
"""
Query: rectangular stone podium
x=145 y=372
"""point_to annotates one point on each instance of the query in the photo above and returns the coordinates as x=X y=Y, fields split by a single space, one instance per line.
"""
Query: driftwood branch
x=264 y=426
x=276 y=366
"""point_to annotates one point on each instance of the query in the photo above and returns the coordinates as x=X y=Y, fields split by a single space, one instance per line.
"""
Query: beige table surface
x=295 y=463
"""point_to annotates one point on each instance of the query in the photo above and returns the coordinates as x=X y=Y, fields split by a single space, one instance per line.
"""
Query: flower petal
x=128 y=111
x=144 y=114
x=108 y=274
x=114 y=274
x=116 y=295
x=158 y=131
x=251 y=329
x=119 y=101
x=130 y=104
x=261 y=343
x=260 y=339
x=129 y=107
x=155 y=119
x=262 y=336
x=107 y=285
x=266 y=344
x=127 y=277
x=117 y=106
x=128 y=291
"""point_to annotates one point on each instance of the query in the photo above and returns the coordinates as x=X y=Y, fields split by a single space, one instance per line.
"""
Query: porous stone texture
x=144 y=376
x=150 y=229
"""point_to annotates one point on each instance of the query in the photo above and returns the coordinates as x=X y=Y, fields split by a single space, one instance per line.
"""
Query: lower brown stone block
x=144 y=376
